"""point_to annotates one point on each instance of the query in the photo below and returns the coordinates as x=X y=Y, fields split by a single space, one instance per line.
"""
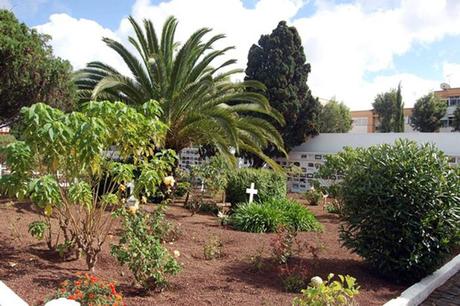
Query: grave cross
x=251 y=191
x=1 y=170
x=130 y=185
x=202 y=187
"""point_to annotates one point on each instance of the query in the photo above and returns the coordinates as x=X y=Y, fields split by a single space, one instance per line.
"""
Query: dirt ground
x=27 y=267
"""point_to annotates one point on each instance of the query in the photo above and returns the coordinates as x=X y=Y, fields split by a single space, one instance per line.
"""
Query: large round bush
x=401 y=208
x=267 y=216
x=269 y=184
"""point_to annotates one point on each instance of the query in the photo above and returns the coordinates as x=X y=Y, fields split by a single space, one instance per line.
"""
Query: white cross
x=130 y=185
x=1 y=170
x=202 y=186
x=252 y=191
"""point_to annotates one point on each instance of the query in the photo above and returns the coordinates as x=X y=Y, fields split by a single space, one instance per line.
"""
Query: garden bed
x=28 y=269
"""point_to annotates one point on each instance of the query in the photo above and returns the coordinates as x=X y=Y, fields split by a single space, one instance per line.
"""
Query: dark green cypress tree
x=279 y=62
x=399 y=112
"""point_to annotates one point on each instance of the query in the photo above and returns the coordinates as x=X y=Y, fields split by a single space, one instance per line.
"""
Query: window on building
x=303 y=156
x=318 y=156
x=310 y=165
x=453 y=101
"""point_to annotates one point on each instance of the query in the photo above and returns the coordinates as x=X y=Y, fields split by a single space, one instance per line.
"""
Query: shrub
x=268 y=216
x=330 y=293
x=146 y=257
x=269 y=184
x=334 y=206
x=283 y=244
x=65 y=164
x=89 y=290
x=213 y=248
x=181 y=189
x=313 y=196
x=401 y=208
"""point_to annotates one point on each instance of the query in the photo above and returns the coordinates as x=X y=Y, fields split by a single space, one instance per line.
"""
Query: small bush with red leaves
x=89 y=290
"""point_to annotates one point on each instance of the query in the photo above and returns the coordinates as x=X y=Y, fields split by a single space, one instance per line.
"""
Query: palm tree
x=201 y=105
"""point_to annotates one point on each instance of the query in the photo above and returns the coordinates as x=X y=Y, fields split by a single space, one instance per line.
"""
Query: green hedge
x=268 y=183
x=267 y=216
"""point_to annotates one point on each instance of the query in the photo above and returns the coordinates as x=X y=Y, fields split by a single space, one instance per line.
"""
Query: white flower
x=169 y=181
x=316 y=281
x=176 y=253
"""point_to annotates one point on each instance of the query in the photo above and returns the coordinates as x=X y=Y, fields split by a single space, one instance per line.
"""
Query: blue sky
x=357 y=48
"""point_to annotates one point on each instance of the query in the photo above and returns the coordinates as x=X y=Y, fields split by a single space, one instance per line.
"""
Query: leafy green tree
x=390 y=110
x=201 y=106
x=457 y=119
x=278 y=61
x=29 y=71
x=65 y=165
x=427 y=113
x=335 y=117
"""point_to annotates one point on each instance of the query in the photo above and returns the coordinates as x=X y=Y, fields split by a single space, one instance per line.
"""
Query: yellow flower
x=169 y=181
x=133 y=209
x=48 y=210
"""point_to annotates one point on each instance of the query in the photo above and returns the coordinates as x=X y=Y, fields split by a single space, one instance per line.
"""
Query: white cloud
x=342 y=42
x=451 y=72
x=80 y=40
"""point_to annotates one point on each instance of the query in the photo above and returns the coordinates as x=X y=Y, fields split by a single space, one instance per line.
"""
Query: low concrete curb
x=9 y=298
x=417 y=293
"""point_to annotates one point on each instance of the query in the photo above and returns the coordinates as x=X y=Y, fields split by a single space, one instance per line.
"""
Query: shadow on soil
x=269 y=275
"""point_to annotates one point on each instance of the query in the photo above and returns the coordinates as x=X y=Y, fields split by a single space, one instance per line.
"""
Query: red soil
x=27 y=267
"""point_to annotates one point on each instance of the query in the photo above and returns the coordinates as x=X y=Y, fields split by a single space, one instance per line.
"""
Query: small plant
x=314 y=196
x=181 y=189
x=161 y=228
x=37 y=229
x=283 y=244
x=146 y=257
x=333 y=207
x=87 y=289
x=329 y=293
x=293 y=278
x=257 y=260
x=213 y=248
x=261 y=217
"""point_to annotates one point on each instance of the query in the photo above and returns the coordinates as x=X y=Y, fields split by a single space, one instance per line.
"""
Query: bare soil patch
x=33 y=273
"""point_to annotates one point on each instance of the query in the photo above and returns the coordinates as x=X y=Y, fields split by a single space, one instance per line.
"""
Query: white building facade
x=312 y=154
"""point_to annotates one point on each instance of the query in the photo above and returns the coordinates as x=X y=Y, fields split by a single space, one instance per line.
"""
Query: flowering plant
x=331 y=292
x=89 y=290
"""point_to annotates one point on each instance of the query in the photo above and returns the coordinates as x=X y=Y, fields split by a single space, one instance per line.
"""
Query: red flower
x=93 y=279
x=112 y=288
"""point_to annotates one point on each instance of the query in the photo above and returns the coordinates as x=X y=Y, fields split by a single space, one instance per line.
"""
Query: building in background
x=452 y=97
x=367 y=121
x=312 y=154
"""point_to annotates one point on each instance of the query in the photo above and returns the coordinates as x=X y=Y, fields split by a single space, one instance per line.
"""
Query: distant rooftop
x=449 y=143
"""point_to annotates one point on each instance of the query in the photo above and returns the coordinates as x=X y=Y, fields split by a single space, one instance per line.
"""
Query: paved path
x=446 y=295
